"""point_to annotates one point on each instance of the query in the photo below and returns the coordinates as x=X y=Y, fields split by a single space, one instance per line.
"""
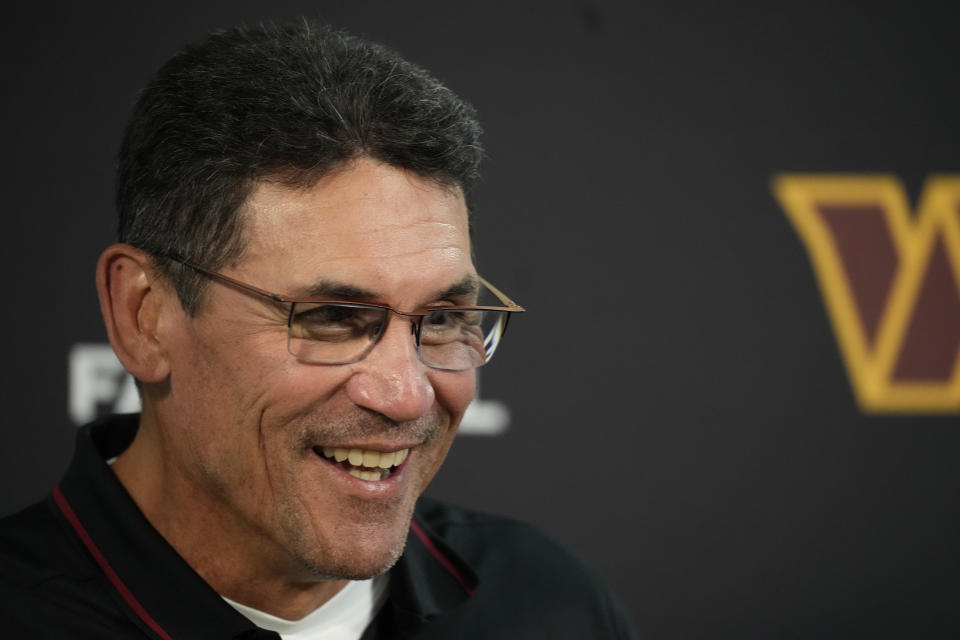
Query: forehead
x=366 y=224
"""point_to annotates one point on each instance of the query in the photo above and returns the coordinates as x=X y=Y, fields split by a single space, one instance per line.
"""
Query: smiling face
x=254 y=434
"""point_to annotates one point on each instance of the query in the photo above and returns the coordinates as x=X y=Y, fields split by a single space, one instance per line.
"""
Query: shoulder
x=31 y=545
x=526 y=575
x=47 y=579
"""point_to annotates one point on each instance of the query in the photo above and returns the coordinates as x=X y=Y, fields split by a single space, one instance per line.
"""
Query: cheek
x=296 y=393
x=223 y=386
x=454 y=390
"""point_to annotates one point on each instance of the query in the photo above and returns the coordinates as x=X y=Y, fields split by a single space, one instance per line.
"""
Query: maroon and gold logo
x=890 y=282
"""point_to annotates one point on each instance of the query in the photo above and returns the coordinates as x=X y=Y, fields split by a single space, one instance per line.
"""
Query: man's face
x=250 y=422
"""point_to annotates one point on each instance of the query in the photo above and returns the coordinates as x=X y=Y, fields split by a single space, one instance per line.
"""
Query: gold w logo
x=889 y=281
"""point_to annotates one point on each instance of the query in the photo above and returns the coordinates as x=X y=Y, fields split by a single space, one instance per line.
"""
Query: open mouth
x=364 y=464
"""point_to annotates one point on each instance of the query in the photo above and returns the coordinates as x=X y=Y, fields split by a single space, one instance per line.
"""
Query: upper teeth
x=366 y=457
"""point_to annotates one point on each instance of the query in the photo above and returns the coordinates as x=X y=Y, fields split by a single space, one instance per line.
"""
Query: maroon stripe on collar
x=451 y=568
x=108 y=571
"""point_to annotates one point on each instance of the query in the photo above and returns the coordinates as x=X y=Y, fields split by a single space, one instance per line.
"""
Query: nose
x=391 y=380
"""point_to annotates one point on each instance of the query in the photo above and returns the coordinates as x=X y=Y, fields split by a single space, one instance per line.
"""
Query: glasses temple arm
x=500 y=294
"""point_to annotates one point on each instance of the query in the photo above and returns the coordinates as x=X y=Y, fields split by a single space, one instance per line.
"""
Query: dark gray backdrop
x=681 y=417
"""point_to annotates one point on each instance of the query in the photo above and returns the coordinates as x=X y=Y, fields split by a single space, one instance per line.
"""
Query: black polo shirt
x=85 y=563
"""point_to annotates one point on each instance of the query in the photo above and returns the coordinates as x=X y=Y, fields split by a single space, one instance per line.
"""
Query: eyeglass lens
x=336 y=333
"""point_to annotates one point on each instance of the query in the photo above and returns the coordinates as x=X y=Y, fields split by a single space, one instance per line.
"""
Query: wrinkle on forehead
x=396 y=242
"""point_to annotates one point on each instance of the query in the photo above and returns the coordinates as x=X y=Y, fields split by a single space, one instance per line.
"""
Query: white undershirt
x=342 y=617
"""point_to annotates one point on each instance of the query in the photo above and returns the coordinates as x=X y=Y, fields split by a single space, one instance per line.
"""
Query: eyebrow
x=469 y=286
x=327 y=289
x=338 y=291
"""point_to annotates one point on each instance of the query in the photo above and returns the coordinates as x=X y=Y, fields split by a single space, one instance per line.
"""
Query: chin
x=351 y=549
x=358 y=561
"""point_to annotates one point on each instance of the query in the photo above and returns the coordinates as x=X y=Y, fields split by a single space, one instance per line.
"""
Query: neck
x=239 y=563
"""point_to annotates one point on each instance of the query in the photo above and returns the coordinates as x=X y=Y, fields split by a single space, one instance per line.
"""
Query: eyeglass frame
x=416 y=317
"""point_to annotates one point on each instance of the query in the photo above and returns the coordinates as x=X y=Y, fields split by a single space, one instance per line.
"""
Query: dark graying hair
x=282 y=102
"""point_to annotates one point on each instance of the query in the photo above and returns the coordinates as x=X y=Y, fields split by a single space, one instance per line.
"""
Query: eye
x=335 y=322
x=444 y=318
x=447 y=326
x=326 y=314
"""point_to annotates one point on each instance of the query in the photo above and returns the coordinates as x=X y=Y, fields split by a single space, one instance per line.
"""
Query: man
x=294 y=293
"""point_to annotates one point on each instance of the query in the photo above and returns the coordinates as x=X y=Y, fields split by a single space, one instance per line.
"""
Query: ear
x=131 y=300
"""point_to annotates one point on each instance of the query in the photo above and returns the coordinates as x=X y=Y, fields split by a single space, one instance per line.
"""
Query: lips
x=365 y=464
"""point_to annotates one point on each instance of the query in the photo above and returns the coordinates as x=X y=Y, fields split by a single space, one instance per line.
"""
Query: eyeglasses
x=452 y=338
